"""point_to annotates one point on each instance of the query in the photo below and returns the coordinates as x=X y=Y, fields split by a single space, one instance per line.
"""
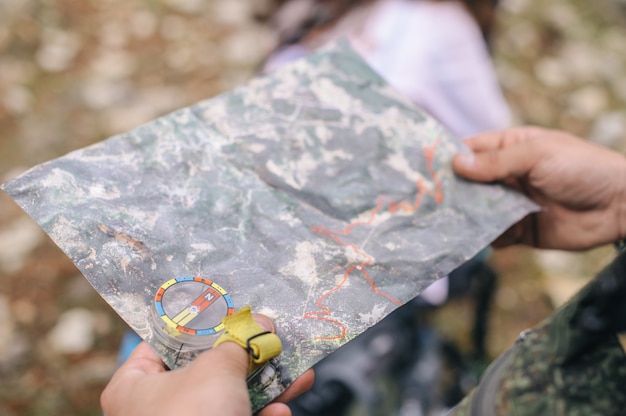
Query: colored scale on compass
x=189 y=305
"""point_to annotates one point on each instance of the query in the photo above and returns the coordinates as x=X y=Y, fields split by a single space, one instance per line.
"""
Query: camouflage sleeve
x=570 y=364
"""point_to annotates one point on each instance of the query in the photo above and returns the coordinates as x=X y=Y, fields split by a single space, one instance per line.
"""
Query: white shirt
x=431 y=52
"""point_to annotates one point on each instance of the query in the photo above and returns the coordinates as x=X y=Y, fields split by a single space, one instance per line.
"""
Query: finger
x=498 y=163
x=275 y=409
x=265 y=321
x=502 y=138
x=523 y=232
x=229 y=356
x=143 y=360
x=486 y=141
x=512 y=236
x=300 y=385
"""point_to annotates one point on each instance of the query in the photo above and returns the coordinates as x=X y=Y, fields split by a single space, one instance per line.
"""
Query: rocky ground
x=75 y=72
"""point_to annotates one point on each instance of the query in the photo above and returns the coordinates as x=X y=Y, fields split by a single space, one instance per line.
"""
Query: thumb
x=222 y=369
x=230 y=357
x=496 y=164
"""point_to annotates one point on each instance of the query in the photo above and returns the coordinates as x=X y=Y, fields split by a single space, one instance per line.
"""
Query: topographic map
x=316 y=194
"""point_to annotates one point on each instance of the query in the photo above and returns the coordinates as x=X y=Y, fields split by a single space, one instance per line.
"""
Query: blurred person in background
x=434 y=52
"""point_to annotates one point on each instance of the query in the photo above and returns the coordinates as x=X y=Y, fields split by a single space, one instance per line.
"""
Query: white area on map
x=65 y=234
x=102 y=192
x=331 y=156
x=256 y=147
x=376 y=314
x=203 y=246
x=399 y=163
x=303 y=266
x=379 y=218
x=323 y=133
x=304 y=166
x=339 y=278
x=287 y=176
x=341 y=99
x=270 y=313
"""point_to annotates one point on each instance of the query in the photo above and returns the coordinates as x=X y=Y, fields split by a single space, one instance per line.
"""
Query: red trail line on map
x=393 y=207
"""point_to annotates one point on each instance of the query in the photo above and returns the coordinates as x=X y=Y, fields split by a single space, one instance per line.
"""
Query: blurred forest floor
x=75 y=72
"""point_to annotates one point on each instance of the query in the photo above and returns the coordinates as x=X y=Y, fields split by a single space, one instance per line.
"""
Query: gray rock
x=73 y=333
x=17 y=240
x=609 y=129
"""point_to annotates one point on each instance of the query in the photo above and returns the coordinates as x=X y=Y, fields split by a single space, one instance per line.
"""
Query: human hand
x=580 y=186
x=213 y=384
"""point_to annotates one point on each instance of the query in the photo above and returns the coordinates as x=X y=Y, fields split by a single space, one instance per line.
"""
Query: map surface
x=316 y=194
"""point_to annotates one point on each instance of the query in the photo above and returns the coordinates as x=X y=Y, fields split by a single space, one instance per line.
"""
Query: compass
x=188 y=311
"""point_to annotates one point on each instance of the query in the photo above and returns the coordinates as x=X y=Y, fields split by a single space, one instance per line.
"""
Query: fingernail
x=265 y=322
x=466 y=160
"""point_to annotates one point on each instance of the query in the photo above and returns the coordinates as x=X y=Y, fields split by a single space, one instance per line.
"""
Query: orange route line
x=393 y=207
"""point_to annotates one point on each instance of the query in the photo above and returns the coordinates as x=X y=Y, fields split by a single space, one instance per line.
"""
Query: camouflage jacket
x=572 y=363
